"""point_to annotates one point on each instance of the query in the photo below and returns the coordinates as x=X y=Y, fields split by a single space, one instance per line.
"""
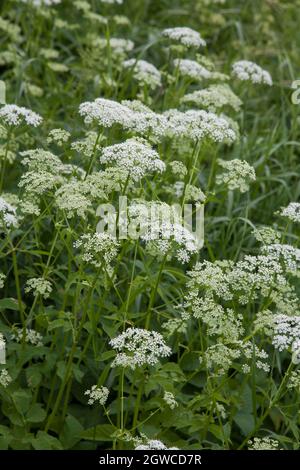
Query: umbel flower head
x=31 y=336
x=8 y=217
x=191 y=69
x=214 y=98
x=14 y=115
x=144 y=72
x=198 y=125
x=97 y=395
x=39 y=286
x=137 y=347
x=154 y=444
x=186 y=36
x=106 y=113
x=97 y=248
x=5 y=378
x=237 y=174
x=292 y=212
x=249 y=71
x=134 y=155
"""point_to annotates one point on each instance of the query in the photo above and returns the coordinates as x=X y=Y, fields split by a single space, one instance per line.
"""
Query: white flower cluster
x=266 y=235
x=190 y=192
x=8 y=216
x=31 y=336
x=219 y=357
x=263 y=443
x=214 y=98
x=186 y=36
x=88 y=145
x=119 y=46
x=59 y=136
x=135 y=156
x=134 y=116
x=191 y=69
x=294 y=380
x=237 y=174
x=292 y=212
x=5 y=378
x=14 y=115
x=145 y=121
x=97 y=395
x=163 y=230
x=241 y=281
x=249 y=71
x=154 y=444
x=97 y=248
x=286 y=333
x=178 y=168
x=198 y=125
x=39 y=286
x=137 y=347
x=169 y=399
x=144 y=72
x=38 y=160
x=288 y=255
x=106 y=113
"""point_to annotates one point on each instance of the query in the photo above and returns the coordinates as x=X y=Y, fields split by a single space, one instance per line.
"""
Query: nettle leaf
x=101 y=432
x=71 y=433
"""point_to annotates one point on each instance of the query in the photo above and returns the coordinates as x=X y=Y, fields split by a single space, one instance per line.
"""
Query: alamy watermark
x=152 y=221
x=295 y=98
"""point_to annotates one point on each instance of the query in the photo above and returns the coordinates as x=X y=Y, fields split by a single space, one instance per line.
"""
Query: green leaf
x=43 y=441
x=102 y=432
x=245 y=422
x=71 y=432
x=10 y=304
x=22 y=399
x=36 y=414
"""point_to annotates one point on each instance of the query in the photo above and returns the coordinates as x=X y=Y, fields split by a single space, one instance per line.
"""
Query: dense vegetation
x=149 y=342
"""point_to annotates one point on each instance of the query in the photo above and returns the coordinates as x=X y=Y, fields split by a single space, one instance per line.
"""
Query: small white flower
x=134 y=155
x=97 y=395
x=170 y=400
x=97 y=248
x=5 y=378
x=249 y=71
x=214 y=98
x=144 y=72
x=236 y=174
x=14 y=115
x=186 y=36
x=191 y=68
x=8 y=215
x=39 y=286
x=154 y=444
x=137 y=347
x=292 y=212
x=31 y=336
x=264 y=443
